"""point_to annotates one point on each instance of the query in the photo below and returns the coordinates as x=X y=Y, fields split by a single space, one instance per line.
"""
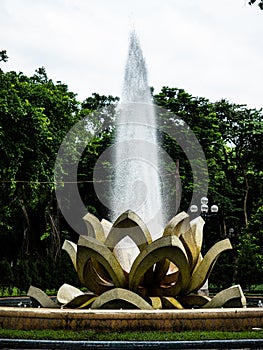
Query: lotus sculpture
x=149 y=274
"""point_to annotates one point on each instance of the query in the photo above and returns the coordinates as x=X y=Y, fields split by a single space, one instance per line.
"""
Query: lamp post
x=206 y=212
x=204 y=208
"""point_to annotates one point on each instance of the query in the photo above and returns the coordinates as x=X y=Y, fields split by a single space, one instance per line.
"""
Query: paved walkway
x=245 y=344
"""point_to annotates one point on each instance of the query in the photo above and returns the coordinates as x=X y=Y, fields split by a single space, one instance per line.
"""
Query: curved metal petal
x=72 y=297
x=156 y=302
x=177 y=225
x=71 y=249
x=192 y=249
x=93 y=280
x=94 y=227
x=193 y=300
x=41 y=297
x=90 y=248
x=107 y=225
x=230 y=297
x=203 y=271
x=120 y=298
x=100 y=270
x=171 y=303
x=168 y=247
x=197 y=226
x=66 y=293
x=131 y=225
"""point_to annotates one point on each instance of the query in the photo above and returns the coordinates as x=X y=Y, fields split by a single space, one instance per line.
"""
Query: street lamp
x=205 y=214
x=204 y=208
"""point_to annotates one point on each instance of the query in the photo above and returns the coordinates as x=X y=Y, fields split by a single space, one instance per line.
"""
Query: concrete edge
x=228 y=319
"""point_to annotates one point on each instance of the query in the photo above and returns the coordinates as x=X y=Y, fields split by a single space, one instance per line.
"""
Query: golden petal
x=193 y=300
x=169 y=247
x=131 y=225
x=198 y=262
x=107 y=225
x=42 y=298
x=93 y=269
x=92 y=280
x=88 y=303
x=66 y=293
x=188 y=238
x=120 y=298
x=197 y=226
x=72 y=297
x=71 y=249
x=230 y=297
x=94 y=227
x=177 y=225
x=180 y=226
x=156 y=302
x=203 y=271
x=91 y=248
x=171 y=303
x=131 y=233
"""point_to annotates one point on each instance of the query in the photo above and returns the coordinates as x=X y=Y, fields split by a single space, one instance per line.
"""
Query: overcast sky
x=212 y=49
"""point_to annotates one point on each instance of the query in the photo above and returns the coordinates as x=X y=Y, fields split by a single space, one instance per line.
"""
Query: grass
x=126 y=336
x=11 y=292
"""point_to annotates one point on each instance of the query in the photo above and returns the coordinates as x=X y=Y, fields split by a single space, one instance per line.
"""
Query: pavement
x=21 y=344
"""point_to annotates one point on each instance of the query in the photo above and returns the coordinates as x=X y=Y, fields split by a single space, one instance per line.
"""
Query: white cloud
x=211 y=49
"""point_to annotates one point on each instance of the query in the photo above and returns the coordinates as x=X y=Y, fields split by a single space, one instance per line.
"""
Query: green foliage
x=42 y=272
x=3 y=56
x=11 y=292
x=260 y=3
x=186 y=111
x=6 y=274
x=89 y=335
x=35 y=115
x=222 y=275
x=250 y=261
x=231 y=137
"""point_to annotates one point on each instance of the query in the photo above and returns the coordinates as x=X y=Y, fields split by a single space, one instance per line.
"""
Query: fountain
x=143 y=270
x=138 y=262
x=136 y=162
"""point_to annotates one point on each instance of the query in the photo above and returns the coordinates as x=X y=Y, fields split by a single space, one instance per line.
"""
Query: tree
x=260 y=3
x=250 y=257
x=100 y=112
x=242 y=131
x=35 y=115
x=3 y=56
x=186 y=111
x=231 y=137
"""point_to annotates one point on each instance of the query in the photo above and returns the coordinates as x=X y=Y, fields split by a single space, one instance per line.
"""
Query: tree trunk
x=246 y=198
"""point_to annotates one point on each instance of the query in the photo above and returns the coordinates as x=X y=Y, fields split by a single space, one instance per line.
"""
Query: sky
x=211 y=49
